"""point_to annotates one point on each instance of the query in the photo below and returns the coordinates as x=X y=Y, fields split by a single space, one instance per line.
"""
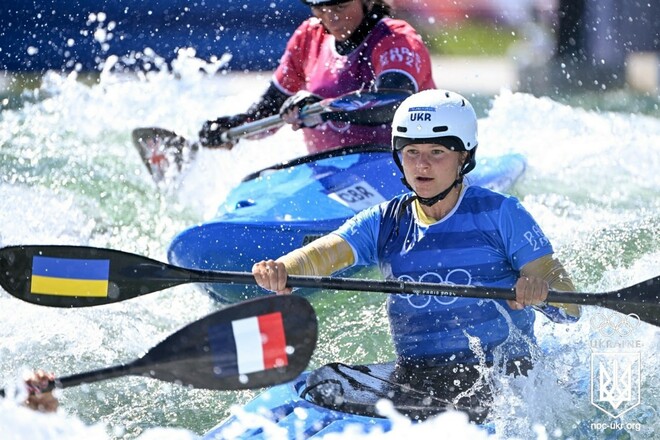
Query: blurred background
x=536 y=46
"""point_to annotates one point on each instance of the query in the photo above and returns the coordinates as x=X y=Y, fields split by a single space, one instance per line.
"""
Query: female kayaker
x=446 y=231
x=347 y=46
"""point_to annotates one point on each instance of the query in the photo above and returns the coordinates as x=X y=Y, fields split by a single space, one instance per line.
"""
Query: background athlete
x=347 y=46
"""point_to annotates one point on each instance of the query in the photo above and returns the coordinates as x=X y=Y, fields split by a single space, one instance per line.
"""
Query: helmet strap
x=430 y=201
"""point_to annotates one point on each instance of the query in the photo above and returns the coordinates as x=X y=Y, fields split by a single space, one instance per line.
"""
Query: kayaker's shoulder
x=480 y=192
x=486 y=198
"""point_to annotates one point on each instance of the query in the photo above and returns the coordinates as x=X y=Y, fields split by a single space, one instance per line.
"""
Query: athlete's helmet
x=435 y=116
x=324 y=2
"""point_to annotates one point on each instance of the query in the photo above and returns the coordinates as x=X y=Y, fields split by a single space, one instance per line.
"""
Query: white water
x=70 y=176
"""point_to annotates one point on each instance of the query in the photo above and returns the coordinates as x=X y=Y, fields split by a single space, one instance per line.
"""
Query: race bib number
x=358 y=196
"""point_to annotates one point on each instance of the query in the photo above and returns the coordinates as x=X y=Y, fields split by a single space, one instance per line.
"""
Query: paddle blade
x=253 y=344
x=80 y=276
x=163 y=152
x=642 y=299
x=365 y=100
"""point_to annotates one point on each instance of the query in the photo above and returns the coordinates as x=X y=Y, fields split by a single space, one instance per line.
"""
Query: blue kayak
x=281 y=208
x=361 y=387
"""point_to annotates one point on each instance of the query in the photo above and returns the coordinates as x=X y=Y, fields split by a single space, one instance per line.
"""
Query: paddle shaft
x=354 y=101
x=638 y=299
x=264 y=124
x=392 y=286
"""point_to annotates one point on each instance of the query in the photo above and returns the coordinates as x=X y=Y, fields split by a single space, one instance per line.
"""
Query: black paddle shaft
x=133 y=275
x=202 y=354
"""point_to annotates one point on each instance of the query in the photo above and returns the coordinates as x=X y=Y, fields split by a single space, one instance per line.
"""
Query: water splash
x=69 y=175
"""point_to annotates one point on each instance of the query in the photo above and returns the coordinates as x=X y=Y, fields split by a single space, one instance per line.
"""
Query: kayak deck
x=283 y=408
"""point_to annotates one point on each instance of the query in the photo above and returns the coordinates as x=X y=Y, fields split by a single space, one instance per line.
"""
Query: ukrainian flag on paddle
x=69 y=277
x=259 y=343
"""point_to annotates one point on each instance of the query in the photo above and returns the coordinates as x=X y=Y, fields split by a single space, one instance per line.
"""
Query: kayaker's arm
x=322 y=257
x=269 y=104
x=552 y=271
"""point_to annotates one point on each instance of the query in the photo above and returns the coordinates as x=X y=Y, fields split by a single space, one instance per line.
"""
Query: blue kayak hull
x=287 y=206
x=283 y=406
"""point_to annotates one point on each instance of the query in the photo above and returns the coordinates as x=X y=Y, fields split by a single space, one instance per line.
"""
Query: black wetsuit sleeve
x=378 y=115
x=268 y=105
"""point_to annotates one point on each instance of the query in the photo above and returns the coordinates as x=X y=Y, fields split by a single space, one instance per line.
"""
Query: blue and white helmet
x=435 y=117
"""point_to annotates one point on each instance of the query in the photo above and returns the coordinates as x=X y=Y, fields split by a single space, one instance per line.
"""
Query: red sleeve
x=290 y=74
x=404 y=51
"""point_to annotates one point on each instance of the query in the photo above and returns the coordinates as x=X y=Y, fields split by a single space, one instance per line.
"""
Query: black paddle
x=165 y=153
x=211 y=353
x=129 y=275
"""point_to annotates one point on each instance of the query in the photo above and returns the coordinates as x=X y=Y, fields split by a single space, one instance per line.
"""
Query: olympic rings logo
x=460 y=277
x=611 y=325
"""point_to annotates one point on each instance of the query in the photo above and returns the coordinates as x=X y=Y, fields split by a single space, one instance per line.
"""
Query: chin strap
x=430 y=201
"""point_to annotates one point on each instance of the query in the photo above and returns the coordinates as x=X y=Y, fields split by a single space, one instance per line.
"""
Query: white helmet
x=435 y=117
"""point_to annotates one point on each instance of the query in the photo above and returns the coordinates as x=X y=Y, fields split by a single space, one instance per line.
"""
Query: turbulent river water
x=69 y=175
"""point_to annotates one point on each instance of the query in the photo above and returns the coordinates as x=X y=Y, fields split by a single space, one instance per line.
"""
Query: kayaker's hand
x=271 y=275
x=38 y=400
x=210 y=136
x=290 y=110
x=530 y=291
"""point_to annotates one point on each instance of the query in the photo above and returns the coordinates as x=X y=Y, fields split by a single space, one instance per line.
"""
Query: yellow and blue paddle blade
x=81 y=276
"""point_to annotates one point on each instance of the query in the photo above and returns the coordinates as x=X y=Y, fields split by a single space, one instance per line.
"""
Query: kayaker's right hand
x=271 y=275
x=210 y=136
x=290 y=110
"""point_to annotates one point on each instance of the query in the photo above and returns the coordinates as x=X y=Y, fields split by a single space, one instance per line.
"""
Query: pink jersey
x=311 y=63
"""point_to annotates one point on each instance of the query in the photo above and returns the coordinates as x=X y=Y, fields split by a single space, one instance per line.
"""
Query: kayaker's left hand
x=211 y=134
x=271 y=275
x=530 y=291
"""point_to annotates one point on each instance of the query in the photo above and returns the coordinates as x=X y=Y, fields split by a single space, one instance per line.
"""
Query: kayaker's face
x=430 y=168
x=340 y=20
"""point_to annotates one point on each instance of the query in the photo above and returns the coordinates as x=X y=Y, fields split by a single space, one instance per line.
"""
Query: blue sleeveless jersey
x=484 y=241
